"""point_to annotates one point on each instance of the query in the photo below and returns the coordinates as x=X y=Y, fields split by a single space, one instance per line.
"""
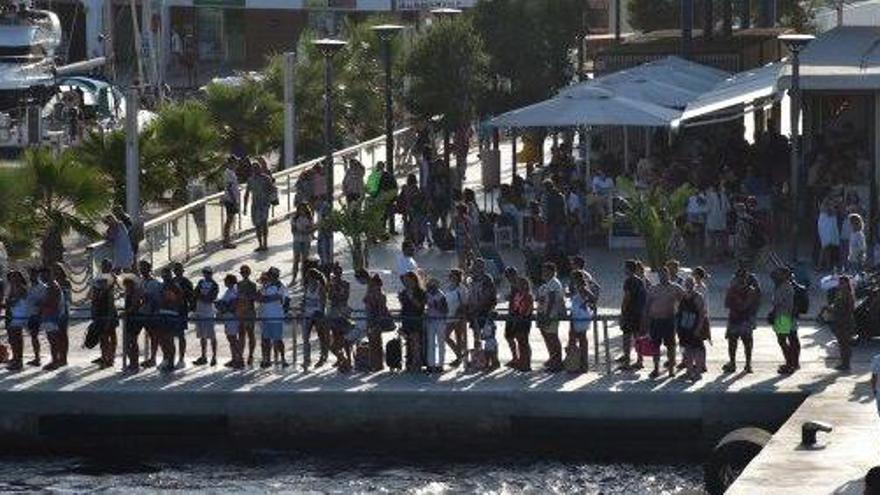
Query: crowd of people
x=461 y=313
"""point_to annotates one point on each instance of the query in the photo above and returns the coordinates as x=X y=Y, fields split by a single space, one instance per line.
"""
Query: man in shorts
x=661 y=306
x=247 y=312
x=551 y=308
x=742 y=301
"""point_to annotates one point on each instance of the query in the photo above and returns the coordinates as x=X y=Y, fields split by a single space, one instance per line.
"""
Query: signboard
x=491 y=161
x=434 y=4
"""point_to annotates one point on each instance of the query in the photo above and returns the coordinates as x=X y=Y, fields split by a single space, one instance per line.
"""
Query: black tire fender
x=731 y=456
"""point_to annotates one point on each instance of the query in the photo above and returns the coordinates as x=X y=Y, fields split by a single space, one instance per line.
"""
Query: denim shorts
x=272 y=330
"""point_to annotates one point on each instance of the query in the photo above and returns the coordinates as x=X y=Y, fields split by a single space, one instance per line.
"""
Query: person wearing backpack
x=691 y=328
x=783 y=317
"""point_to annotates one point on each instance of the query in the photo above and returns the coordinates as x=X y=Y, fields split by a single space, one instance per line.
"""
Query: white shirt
x=274 y=309
x=829 y=232
x=553 y=286
x=405 y=264
x=602 y=185
x=454 y=297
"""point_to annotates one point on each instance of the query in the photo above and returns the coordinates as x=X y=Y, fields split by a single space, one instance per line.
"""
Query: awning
x=752 y=87
x=595 y=105
x=844 y=59
x=671 y=82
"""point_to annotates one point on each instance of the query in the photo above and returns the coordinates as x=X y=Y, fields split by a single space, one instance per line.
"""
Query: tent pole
x=513 y=150
x=625 y=149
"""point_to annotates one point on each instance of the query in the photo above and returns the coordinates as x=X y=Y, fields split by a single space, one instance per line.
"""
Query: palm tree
x=653 y=214
x=59 y=195
x=246 y=116
x=187 y=144
x=361 y=223
x=105 y=151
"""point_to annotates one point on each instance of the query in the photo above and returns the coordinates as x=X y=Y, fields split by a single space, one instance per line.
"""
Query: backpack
x=801 y=299
x=362 y=361
x=374 y=182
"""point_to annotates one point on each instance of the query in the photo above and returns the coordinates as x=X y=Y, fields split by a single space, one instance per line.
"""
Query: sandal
x=729 y=368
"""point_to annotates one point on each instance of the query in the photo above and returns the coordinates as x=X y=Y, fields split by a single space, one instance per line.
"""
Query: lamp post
x=795 y=44
x=386 y=33
x=328 y=48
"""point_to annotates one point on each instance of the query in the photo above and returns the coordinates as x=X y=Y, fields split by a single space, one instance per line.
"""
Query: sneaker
x=149 y=363
x=748 y=369
x=14 y=366
x=729 y=368
x=265 y=364
x=51 y=366
x=682 y=365
x=199 y=362
x=213 y=361
x=36 y=362
x=654 y=375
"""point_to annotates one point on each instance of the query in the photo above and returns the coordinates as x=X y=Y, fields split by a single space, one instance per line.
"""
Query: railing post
x=596 y=342
x=168 y=238
x=186 y=232
x=607 y=347
x=152 y=248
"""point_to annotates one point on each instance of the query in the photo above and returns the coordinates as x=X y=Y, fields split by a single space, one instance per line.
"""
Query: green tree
x=358 y=75
x=361 y=223
x=653 y=214
x=187 y=144
x=105 y=151
x=653 y=15
x=530 y=44
x=60 y=195
x=447 y=70
x=15 y=226
x=246 y=116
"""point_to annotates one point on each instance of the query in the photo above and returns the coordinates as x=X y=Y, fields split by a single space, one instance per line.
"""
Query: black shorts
x=231 y=209
x=662 y=332
x=630 y=326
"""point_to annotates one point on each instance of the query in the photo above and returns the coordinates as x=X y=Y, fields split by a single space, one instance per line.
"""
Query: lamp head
x=387 y=31
x=329 y=46
x=796 y=42
x=445 y=12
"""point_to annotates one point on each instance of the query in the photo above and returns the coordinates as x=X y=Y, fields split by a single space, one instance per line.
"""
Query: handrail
x=189 y=207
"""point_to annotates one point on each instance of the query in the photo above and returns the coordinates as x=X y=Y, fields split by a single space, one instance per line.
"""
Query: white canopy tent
x=844 y=59
x=736 y=95
x=594 y=105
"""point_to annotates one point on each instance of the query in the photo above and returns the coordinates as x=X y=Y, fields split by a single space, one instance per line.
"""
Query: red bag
x=645 y=347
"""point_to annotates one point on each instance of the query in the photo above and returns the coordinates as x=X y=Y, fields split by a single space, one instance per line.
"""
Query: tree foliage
x=59 y=195
x=362 y=223
x=530 y=43
x=447 y=70
x=653 y=214
x=247 y=117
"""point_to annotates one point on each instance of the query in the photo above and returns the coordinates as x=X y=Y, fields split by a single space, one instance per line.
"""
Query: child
x=206 y=296
x=582 y=302
x=690 y=323
x=858 y=248
x=490 y=344
x=226 y=308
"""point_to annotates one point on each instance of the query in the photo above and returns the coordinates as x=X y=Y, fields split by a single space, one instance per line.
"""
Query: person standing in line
x=521 y=312
x=482 y=298
x=661 y=306
x=875 y=380
x=717 y=208
x=512 y=276
x=631 y=310
x=271 y=297
x=325 y=233
x=783 y=318
x=206 y=293
x=17 y=314
x=690 y=322
x=187 y=304
x=456 y=326
x=406 y=262
x=231 y=201
x=583 y=302
x=313 y=311
x=132 y=322
x=378 y=320
x=742 y=300
x=173 y=303
x=844 y=324
x=339 y=318
x=226 y=312
x=63 y=280
x=246 y=311
x=36 y=292
x=4 y=270
x=259 y=190
x=412 y=313
x=551 y=309
x=51 y=309
x=302 y=226
x=464 y=243
x=149 y=312
x=437 y=310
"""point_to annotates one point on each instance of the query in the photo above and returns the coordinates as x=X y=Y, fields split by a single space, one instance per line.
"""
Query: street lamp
x=328 y=48
x=386 y=33
x=445 y=13
x=795 y=44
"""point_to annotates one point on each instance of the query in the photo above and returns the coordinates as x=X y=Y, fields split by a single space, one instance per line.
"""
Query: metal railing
x=599 y=338
x=188 y=230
